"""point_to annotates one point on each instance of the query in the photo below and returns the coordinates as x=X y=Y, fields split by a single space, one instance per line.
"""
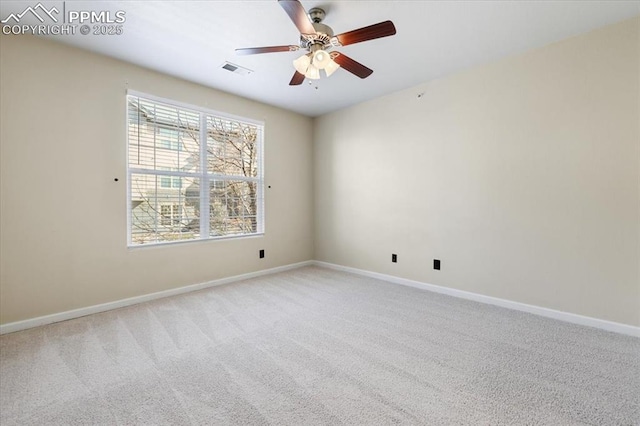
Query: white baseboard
x=537 y=310
x=532 y=309
x=76 y=313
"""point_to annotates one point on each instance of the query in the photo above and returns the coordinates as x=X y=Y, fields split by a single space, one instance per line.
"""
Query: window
x=170 y=214
x=170 y=181
x=168 y=139
x=184 y=160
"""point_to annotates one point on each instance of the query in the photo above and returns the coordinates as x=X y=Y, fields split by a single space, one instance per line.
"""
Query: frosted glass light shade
x=302 y=64
x=321 y=59
x=312 y=72
x=310 y=65
x=331 y=67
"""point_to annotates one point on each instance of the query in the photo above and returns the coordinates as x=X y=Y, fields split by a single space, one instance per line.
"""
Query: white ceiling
x=192 y=40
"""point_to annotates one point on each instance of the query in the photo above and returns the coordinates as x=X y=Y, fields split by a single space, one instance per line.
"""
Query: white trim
x=177 y=173
x=77 y=313
x=162 y=244
x=532 y=309
x=536 y=310
x=205 y=194
x=261 y=219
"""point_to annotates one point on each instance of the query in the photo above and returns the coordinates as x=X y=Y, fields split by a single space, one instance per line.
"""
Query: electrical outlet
x=261 y=254
x=436 y=264
x=394 y=258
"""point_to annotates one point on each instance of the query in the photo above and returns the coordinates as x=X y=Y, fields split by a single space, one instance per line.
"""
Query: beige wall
x=63 y=218
x=522 y=176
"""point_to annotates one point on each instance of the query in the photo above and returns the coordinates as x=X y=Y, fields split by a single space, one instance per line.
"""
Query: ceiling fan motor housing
x=322 y=38
x=316 y=15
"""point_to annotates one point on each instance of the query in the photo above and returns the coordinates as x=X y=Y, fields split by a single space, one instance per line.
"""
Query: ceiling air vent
x=236 y=69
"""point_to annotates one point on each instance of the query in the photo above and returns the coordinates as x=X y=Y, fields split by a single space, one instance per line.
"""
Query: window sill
x=200 y=240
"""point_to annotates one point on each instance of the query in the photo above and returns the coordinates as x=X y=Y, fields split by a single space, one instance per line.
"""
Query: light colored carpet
x=316 y=346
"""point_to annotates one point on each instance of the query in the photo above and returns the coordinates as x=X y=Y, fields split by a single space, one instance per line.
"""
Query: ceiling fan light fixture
x=331 y=67
x=312 y=72
x=317 y=39
x=302 y=64
x=305 y=66
x=321 y=59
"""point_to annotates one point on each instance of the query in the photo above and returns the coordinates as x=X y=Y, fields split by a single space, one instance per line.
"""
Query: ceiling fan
x=318 y=40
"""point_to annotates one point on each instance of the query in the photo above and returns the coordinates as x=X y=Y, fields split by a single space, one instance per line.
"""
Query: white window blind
x=192 y=173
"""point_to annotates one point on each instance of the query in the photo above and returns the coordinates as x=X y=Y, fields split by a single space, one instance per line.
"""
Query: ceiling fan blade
x=267 y=49
x=352 y=66
x=298 y=15
x=379 y=30
x=297 y=79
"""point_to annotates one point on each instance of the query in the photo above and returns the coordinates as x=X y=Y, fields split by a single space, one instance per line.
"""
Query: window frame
x=171 y=180
x=205 y=178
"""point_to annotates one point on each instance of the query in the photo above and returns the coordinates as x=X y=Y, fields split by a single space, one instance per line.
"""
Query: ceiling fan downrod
x=323 y=33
